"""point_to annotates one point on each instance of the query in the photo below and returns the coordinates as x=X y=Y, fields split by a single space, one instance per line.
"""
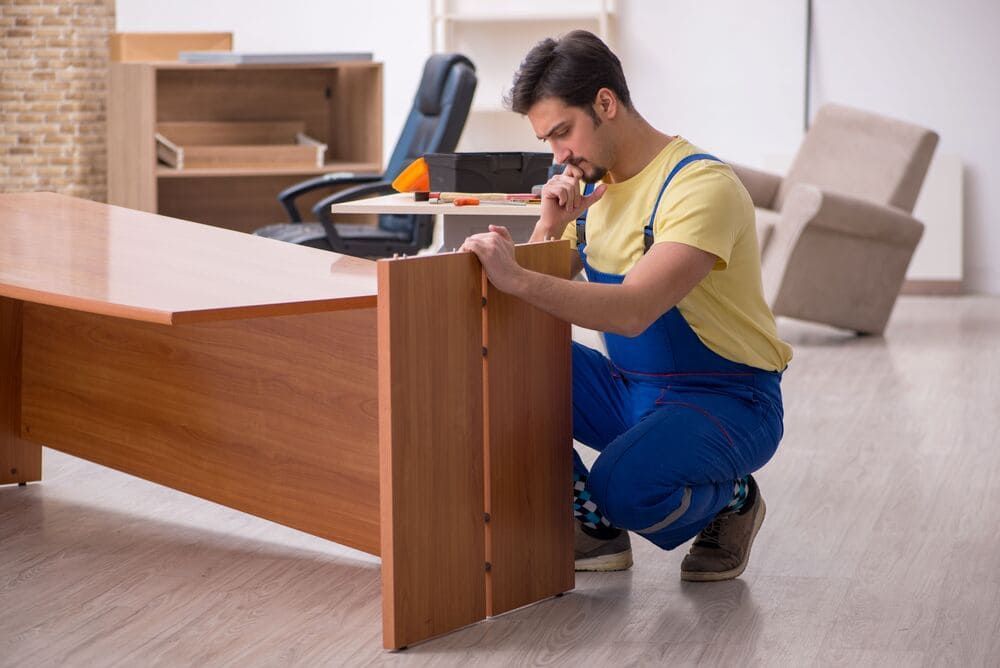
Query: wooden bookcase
x=340 y=104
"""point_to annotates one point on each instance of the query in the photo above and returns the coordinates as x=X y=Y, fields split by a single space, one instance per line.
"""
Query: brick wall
x=53 y=74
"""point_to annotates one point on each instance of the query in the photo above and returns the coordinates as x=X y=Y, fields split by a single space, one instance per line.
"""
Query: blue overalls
x=676 y=424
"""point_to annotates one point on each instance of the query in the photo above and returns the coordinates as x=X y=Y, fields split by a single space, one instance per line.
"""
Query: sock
x=741 y=494
x=585 y=511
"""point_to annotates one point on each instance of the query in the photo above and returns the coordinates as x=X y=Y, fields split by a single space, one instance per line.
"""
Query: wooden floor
x=881 y=546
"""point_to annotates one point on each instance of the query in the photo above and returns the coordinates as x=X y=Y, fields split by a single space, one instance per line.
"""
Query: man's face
x=575 y=136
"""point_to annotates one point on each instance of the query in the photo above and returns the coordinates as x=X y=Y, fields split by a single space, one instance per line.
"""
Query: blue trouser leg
x=669 y=453
x=600 y=402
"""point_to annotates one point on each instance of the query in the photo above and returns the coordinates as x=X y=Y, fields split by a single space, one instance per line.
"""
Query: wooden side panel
x=355 y=112
x=273 y=416
x=529 y=464
x=131 y=145
x=430 y=444
x=20 y=461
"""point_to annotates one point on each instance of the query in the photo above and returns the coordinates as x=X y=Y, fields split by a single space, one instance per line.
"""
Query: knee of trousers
x=622 y=497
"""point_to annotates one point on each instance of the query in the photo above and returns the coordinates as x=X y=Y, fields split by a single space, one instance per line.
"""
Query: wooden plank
x=20 y=460
x=155 y=46
x=241 y=203
x=84 y=255
x=355 y=115
x=276 y=417
x=430 y=445
x=131 y=147
x=529 y=442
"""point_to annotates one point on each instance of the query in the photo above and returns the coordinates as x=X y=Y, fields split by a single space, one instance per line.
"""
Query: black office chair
x=434 y=125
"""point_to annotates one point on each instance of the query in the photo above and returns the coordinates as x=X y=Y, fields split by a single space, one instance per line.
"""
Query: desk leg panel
x=529 y=464
x=430 y=442
x=20 y=460
x=276 y=417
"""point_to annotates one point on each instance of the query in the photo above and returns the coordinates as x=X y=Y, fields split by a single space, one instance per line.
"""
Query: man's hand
x=562 y=201
x=495 y=249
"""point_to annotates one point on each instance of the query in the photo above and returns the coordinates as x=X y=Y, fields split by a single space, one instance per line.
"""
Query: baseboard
x=931 y=287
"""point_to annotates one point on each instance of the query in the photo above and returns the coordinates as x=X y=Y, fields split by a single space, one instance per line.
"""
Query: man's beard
x=596 y=175
x=592 y=176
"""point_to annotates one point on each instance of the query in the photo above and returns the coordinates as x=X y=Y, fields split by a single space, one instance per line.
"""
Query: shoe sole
x=732 y=573
x=605 y=563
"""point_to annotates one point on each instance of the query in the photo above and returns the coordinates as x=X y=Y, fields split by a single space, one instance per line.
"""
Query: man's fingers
x=593 y=197
x=502 y=231
x=573 y=171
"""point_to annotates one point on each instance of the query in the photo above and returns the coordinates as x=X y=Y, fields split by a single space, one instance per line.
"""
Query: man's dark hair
x=572 y=69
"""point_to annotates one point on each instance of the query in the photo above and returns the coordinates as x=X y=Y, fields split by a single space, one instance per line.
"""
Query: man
x=688 y=403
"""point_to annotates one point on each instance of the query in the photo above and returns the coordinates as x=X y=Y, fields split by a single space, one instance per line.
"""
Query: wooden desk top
x=403 y=203
x=93 y=257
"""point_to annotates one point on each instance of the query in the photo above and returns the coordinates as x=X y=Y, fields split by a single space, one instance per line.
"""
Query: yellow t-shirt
x=705 y=206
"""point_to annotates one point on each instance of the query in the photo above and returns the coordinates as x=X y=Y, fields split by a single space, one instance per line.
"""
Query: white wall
x=727 y=74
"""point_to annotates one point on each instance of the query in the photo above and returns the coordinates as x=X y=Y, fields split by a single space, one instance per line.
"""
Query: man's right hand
x=562 y=201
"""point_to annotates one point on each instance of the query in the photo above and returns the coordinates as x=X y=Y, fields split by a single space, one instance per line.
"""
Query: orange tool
x=466 y=201
x=415 y=178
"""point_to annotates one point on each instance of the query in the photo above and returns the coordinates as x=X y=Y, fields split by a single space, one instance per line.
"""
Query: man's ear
x=606 y=104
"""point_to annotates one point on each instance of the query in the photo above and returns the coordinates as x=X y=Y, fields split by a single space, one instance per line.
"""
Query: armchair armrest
x=807 y=208
x=322 y=208
x=287 y=197
x=762 y=186
x=860 y=218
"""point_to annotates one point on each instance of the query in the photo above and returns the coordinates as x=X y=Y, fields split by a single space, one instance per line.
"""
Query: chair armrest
x=860 y=218
x=806 y=208
x=762 y=186
x=322 y=208
x=287 y=197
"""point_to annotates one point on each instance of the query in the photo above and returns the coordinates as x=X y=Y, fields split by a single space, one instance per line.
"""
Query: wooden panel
x=430 y=445
x=274 y=416
x=80 y=254
x=355 y=113
x=239 y=145
x=248 y=94
x=20 y=461
x=243 y=204
x=145 y=46
x=529 y=442
x=226 y=133
x=131 y=148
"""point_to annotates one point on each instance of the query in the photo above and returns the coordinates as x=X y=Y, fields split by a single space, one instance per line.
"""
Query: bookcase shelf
x=338 y=104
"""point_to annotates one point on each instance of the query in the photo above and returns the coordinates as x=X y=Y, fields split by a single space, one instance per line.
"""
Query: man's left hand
x=495 y=249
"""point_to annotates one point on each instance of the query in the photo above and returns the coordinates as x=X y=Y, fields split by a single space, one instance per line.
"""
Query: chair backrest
x=435 y=123
x=864 y=155
x=439 y=110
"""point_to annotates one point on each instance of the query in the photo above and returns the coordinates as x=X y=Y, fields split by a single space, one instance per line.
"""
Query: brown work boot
x=722 y=549
x=595 y=554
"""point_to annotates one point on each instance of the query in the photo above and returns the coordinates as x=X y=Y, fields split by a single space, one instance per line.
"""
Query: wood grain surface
x=273 y=416
x=529 y=442
x=88 y=256
x=20 y=460
x=431 y=446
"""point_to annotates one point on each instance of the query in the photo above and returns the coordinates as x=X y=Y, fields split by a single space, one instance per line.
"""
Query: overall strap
x=648 y=231
x=581 y=222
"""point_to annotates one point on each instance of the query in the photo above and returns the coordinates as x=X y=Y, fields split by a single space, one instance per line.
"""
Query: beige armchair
x=836 y=233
